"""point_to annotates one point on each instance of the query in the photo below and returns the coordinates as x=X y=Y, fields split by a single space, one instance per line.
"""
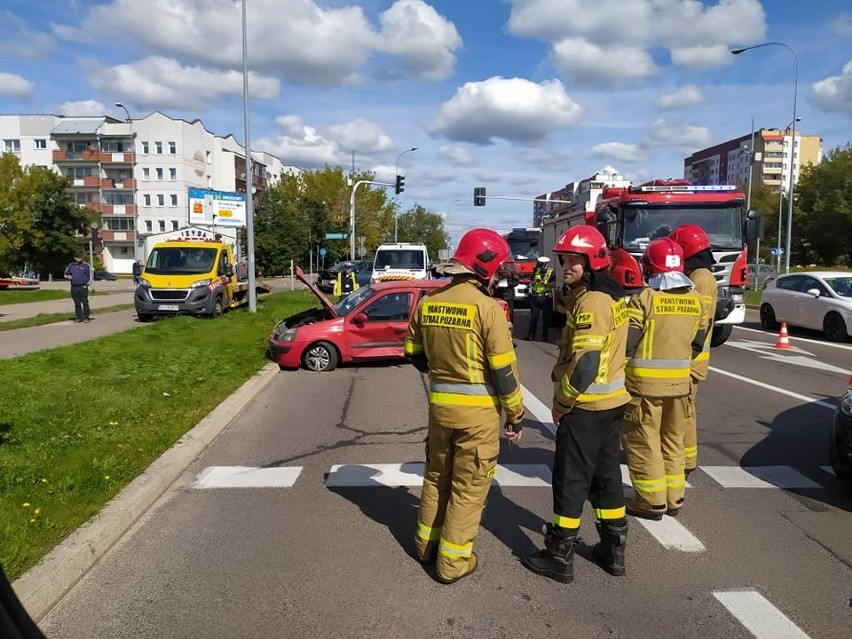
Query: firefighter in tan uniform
x=697 y=260
x=459 y=334
x=588 y=408
x=665 y=336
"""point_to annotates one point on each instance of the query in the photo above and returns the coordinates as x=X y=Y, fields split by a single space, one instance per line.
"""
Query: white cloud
x=619 y=151
x=664 y=133
x=842 y=25
x=19 y=40
x=81 y=108
x=683 y=97
x=834 y=94
x=456 y=155
x=423 y=39
x=366 y=137
x=581 y=33
x=15 y=86
x=163 y=82
x=513 y=109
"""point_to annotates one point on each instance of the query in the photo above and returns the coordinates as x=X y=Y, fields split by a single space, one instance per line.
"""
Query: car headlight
x=286 y=334
x=846 y=403
x=145 y=282
x=738 y=299
x=200 y=283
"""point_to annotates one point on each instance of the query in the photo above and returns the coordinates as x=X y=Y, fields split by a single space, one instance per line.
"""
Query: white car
x=818 y=300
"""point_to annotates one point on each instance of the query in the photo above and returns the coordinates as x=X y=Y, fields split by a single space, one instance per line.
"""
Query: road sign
x=336 y=236
x=777 y=250
x=323 y=252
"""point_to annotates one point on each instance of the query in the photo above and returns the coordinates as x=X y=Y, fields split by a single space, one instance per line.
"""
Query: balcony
x=89 y=155
x=117 y=158
x=87 y=182
x=115 y=183
x=121 y=210
x=118 y=236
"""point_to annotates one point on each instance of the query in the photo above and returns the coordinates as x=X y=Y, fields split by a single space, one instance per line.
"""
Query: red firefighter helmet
x=482 y=251
x=662 y=256
x=692 y=239
x=584 y=240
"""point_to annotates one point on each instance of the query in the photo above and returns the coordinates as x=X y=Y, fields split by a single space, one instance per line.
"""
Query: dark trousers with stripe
x=586 y=466
x=540 y=306
x=80 y=295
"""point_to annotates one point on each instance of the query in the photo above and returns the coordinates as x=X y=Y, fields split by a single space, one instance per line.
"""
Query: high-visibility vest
x=540 y=283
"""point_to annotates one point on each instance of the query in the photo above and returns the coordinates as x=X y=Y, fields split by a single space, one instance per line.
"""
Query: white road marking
x=768 y=352
x=760 y=617
x=247 y=477
x=829 y=470
x=672 y=534
x=759 y=477
x=797 y=338
x=541 y=412
x=411 y=475
x=781 y=391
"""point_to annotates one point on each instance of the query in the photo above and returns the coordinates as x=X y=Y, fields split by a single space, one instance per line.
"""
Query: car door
x=783 y=298
x=809 y=309
x=377 y=330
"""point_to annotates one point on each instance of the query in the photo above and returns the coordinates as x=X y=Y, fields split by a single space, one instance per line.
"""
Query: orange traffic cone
x=783 y=339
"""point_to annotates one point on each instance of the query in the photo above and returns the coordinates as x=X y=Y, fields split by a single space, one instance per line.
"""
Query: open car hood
x=300 y=274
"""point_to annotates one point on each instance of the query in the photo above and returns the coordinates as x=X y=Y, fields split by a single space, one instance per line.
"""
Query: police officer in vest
x=697 y=260
x=346 y=281
x=541 y=298
x=588 y=407
x=460 y=336
x=667 y=332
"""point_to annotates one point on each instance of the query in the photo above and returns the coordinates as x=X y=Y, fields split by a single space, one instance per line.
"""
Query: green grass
x=43 y=319
x=78 y=423
x=36 y=295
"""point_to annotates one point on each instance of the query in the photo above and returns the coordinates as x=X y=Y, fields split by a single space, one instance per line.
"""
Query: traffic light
x=479 y=196
x=400 y=184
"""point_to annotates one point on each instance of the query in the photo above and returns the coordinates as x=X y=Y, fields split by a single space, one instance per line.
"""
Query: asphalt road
x=287 y=527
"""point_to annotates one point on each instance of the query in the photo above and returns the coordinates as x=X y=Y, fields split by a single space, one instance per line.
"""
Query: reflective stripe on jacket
x=472 y=364
x=705 y=285
x=668 y=322
x=595 y=322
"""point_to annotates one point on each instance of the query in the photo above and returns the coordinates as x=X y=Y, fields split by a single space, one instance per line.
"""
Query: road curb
x=44 y=585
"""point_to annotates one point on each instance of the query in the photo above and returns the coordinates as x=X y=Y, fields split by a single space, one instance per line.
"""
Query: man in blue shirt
x=80 y=275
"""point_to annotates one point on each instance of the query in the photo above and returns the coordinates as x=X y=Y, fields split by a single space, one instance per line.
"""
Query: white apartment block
x=135 y=174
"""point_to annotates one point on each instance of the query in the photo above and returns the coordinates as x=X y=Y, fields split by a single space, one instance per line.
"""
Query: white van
x=401 y=262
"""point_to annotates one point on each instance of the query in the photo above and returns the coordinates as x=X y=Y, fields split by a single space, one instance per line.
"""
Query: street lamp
x=793 y=139
x=396 y=173
x=94 y=227
x=781 y=193
x=133 y=178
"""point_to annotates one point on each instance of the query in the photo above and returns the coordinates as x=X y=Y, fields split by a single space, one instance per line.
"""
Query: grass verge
x=37 y=295
x=42 y=319
x=80 y=422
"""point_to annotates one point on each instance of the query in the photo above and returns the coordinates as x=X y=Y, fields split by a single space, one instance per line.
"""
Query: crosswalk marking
x=760 y=617
x=759 y=477
x=411 y=475
x=541 y=412
x=672 y=534
x=247 y=477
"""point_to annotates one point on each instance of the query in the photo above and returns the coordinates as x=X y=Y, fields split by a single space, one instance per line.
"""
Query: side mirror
x=360 y=319
x=229 y=270
x=814 y=292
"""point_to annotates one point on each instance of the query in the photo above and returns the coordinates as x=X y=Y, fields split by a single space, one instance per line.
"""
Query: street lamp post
x=396 y=173
x=94 y=228
x=781 y=196
x=133 y=179
x=793 y=140
x=252 y=291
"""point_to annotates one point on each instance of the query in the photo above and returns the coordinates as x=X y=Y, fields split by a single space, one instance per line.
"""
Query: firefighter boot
x=557 y=559
x=609 y=552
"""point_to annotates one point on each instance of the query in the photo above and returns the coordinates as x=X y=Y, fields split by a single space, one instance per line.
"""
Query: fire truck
x=632 y=216
x=525 y=245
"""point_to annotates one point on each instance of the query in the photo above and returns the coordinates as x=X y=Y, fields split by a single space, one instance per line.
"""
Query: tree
x=822 y=220
x=40 y=226
x=419 y=225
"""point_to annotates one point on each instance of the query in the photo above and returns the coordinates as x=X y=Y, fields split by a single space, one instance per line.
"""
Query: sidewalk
x=21 y=341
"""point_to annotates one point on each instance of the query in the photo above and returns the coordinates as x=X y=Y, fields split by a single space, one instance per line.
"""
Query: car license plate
x=167 y=307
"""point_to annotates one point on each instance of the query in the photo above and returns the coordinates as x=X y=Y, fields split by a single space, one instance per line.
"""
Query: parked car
x=765 y=275
x=101 y=275
x=370 y=324
x=840 y=446
x=820 y=300
x=327 y=277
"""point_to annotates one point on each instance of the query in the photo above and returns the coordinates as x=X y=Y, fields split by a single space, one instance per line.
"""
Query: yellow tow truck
x=191 y=276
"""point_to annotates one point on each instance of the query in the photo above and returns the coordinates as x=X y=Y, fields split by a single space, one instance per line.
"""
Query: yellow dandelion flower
x=44 y=480
x=32 y=521
x=36 y=511
x=26 y=504
x=106 y=477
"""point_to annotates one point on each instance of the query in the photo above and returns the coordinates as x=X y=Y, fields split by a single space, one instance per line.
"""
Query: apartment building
x=136 y=173
x=776 y=152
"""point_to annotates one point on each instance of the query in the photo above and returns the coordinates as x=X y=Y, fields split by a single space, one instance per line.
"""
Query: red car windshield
x=344 y=306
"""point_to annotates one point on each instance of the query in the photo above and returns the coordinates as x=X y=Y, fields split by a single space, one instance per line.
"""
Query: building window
x=174 y=225
x=146 y=173
x=146 y=198
x=173 y=174
x=12 y=146
x=173 y=199
x=159 y=174
x=118 y=223
x=162 y=224
x=161 y=199
x=173 y=148
x=144 y=148
x=158 y=147
x=209 y=161
x=148 y=226
x=40 y=143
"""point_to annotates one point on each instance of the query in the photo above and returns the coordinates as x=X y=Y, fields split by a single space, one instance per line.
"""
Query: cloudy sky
x=519 y=96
